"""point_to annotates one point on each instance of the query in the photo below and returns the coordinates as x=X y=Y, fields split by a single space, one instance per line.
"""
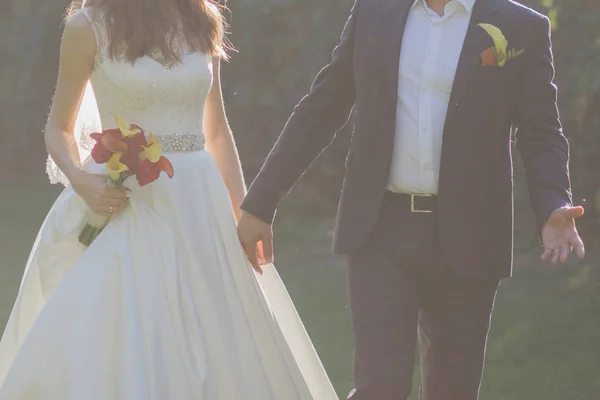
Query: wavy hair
x=138 y=28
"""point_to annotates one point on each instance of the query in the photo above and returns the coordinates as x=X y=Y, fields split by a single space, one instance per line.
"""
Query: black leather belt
x=416 y=203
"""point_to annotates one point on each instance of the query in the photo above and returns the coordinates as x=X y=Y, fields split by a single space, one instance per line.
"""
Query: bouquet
x=126 y=151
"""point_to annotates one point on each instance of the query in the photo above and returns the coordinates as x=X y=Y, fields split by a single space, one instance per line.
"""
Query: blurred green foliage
x=576 y=40
x=281 y=45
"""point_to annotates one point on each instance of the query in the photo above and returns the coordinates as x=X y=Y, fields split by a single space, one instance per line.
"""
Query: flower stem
x=97 y=223
x=89 y=234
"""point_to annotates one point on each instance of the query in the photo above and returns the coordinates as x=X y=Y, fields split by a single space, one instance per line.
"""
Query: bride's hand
x=100 y=198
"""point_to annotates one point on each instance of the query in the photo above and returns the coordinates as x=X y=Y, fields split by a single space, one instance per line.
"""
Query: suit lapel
x=476 y=41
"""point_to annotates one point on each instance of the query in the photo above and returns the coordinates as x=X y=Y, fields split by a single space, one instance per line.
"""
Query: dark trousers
x=399 y=290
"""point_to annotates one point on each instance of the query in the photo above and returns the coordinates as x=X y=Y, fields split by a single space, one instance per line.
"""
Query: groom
x=426 y=211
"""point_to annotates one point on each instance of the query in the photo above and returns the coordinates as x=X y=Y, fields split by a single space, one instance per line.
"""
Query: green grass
x=545 y=338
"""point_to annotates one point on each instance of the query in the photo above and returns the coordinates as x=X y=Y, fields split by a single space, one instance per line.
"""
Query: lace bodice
x=163 y=100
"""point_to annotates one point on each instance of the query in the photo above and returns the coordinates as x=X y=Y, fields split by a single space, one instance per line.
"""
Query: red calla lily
x=148 y=171
x=108 y=142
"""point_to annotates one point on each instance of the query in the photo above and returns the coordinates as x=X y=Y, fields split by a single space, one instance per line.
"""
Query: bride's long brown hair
x=137 y=28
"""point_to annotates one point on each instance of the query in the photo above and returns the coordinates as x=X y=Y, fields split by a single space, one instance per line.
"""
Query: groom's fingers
x=565 y=249
x=261 y=254
x=547 y=254
x=251 y=253
x=555 y=255
x=267 y=245
x=575 y=212
x=578 y=247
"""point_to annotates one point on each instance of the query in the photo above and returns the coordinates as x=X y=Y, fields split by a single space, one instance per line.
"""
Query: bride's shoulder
x=87 y=18
x=88 y=22
x=79 y=33
x=81 y=19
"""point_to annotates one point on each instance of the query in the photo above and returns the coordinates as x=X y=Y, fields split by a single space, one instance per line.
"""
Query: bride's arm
x=220 y=142
x=77 y=53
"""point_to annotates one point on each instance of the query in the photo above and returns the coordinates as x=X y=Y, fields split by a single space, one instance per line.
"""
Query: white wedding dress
x=163 y=304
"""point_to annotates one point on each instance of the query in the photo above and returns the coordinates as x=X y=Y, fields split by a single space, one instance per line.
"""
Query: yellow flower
x=500 y=43
x=115 y=167
x=126 y=128
x=153 y=151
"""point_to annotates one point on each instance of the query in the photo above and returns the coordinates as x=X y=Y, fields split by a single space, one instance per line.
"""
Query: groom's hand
x=257 y=239
x=560 y=237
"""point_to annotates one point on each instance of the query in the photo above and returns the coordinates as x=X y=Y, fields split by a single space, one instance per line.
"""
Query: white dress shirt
x=431 y=48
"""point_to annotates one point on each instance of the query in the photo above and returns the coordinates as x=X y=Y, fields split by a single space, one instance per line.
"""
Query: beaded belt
x=181 y=143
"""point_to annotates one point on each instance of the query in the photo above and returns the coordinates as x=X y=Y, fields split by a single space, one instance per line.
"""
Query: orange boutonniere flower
x=488 y=58
x=499 y=54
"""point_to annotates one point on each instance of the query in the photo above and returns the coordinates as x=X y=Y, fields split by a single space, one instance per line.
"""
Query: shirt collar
x=467 y=4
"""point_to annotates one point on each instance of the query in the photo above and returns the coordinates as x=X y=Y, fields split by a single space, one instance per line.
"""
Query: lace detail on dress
x=55 y=175
x=158 y=99
x=162 y=99
x=85 y=141
x=96 y=19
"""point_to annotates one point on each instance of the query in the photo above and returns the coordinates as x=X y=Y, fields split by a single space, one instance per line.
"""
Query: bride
x=162 y=305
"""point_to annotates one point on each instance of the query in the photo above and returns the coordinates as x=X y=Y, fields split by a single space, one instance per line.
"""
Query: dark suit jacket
x=486 y=104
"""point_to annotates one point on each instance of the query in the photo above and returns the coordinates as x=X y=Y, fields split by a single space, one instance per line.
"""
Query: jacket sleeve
x=309 y=131
x=540 y=140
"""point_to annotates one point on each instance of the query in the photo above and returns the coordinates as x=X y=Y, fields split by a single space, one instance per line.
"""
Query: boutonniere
x=499 y=54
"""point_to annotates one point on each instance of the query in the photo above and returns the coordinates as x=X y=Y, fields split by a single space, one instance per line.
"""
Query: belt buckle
x=412 y=203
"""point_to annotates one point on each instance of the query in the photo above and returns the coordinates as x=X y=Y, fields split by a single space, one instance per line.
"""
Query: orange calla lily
x=488 y=58
x=500 y=49
x=108 y=142
x=500 y=43
x=165 y=166
x=114 y=143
